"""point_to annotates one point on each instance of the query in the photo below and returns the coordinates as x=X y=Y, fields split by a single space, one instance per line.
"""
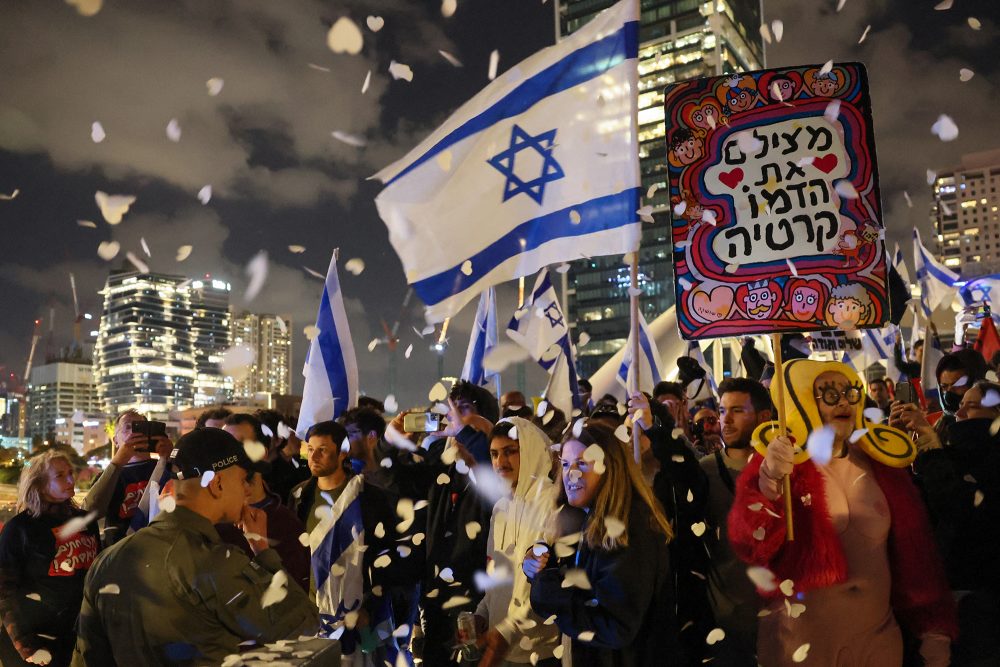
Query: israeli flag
x=331 y=369
x=900 y=265
x=337 y=545
x=540 y=167
x=937 y=281
x=928 y=375
x=482 y=340
x=650 y=364
x=980 y=290
x=540 y=328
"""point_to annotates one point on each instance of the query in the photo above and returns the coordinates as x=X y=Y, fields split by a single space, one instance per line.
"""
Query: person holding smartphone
x=116 y=494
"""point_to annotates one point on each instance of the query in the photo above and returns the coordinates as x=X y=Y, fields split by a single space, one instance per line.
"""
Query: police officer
x=174 y=593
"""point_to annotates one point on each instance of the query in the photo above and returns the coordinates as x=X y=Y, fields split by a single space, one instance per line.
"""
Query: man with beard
x=744 y=404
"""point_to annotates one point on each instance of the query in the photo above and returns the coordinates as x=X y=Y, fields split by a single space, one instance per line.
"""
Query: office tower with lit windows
x=210 y=329
x=270 y=337
x=678 y=40
x=58 y=390
x=965 y=215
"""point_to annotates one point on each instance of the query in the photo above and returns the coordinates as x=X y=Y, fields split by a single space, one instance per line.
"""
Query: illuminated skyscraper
x=270 y=337
x=58 y=390
x=965 y=216
x=679 y=39
x=159 y=342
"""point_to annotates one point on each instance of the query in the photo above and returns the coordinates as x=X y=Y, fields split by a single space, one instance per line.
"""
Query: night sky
x=279 y=178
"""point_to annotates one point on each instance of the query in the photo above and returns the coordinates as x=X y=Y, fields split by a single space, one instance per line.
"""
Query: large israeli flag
x=650 y=366
x=937 y=281
x=331 y=369
x=482 y=340
x=540 y=167
x=900 y=265
x=540 y=328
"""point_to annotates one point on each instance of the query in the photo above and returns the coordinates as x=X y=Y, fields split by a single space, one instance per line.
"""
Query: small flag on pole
x=539 y=168
x=937 y=282
x=649 y=362
x=331 y=369
x=540 y=328
x=482 y=340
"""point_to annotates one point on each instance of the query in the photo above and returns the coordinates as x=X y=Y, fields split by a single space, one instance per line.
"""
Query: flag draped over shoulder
x=331 y=369
x=540 y=328
x=936 y=280
x=337 y=545
x=540 y=167
x=650 y=365
x=481 y=341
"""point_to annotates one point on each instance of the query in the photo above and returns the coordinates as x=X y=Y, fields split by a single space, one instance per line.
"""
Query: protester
x=330 y=472
x=863 y=558
x=744 y=404
x=510 y=633
x=365 y=432
x=961 y=485
x=173 y=593
x=213 y=418
x=956 y=372
x=288 y=468
x=621 y=560
x=42 y=569
x=283 y=526
x=672 y=395
x=116 y=494
x=585 y=390
x=372 y=403
x=514 y=404
x=706 y=431
x=878 y=392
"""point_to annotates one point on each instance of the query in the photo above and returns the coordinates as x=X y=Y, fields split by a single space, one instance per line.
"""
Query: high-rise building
x=210 y=331
x=144 y=353
x=270 y=337
x=58 y=390
x=965 y=214
x=678 y=40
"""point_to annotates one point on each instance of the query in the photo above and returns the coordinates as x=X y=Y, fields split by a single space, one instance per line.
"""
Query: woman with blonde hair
x=611 y=594
x=44 y=558
x=863 y=565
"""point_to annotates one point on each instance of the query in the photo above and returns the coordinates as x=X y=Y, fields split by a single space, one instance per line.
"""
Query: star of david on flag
x=541 y=167
x=505 y=163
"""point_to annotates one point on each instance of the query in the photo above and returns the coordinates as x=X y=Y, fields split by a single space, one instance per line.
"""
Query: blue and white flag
x=650 y=366
x=539 y=168
x=540 y=328
x=337 y=544
x=980 y=290
x=937 y=281
x=331 y=369
x=482 y=340
x=899 y=264
x=928 y=372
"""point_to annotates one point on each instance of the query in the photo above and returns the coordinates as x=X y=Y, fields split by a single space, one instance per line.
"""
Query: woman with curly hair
x=43 y=562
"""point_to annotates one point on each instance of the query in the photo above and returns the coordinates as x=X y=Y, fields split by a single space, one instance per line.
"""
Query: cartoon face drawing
x=780 y=89
x=824 y=86
x=804 y=303
x=759 y=300
x=849 y=307
x=739 y=99
x=686 y=148
x=707 y=115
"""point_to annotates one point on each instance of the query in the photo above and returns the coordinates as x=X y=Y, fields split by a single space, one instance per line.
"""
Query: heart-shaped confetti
x=344 y=36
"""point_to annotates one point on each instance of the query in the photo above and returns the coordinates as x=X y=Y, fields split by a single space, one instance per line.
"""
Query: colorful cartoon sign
x=776 y=213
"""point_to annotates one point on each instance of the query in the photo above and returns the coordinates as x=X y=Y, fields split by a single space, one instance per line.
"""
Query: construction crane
x=22 y=421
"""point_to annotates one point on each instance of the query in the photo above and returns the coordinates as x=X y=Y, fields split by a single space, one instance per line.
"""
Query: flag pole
x=634 y=337
x=786 y=481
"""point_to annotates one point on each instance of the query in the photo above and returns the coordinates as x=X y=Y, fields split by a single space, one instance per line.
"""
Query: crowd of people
x=648 y=531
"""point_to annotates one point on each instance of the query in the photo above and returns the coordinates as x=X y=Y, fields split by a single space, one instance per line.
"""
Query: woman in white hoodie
x=519 y=452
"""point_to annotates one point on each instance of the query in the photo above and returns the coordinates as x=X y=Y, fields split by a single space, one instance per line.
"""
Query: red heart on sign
x=826 y=164
x=732 y=178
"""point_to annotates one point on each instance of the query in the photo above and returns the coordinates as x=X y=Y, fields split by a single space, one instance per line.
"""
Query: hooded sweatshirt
x=517 y=523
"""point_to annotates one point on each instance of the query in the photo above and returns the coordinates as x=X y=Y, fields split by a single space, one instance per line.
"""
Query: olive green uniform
x=175 y=594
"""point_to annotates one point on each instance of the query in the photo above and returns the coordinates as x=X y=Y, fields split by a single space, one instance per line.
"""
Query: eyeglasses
x=831 y=395
x=707 y=421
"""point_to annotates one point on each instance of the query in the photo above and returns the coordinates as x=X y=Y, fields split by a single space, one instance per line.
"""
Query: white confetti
x=787 y=588
x=311 y=331
x=256 y=272
x=297 y=249
x=448 y=8
x=383 y=561
x=778 y=28
x=698 y=528
x=977 y=498
x=906 y=196
x=455 y=62
x=84 y=8
x=974 y=23
x=113 y=207
x=400 y=71
x=467 y=267
x=183 y=252
x=355 y=266
x=965 y=74
x=372 y=344
x=715 y=636
x=472 y=529
x=614 y=527
x=759 y=534
x=874 y=415
x=255 y=451
x=375 y=23
x=708 y=217
x=646 y=213
x=945 y=128
x=97 y=132
x=109 y=589
x=409 y=351
x=820 y=444
x=944 y=5
x=214 y=86
x=174 y=130
x=345 y=36
x=679 y=208
x=145 y=246
x=276 y=590
x=75 y=525
x=765 y=32
x=576 y=578
x=801 y=653
x=585 y=636
x=791 y=267
x=87 y=223
x=762 y=578
x=319 y=67
x=864 y=35
x=845 y=189
x=140 y=265
x=827 y=67
x=494 y=62
x=43 y=656
x=456 y=601
x=108 y=250
x=840 y=4
x=205 y=194
x=236 y=361
x=349 y=139
x=832 y=111
x=207 y=477
x=168 y=503
x=437 y=393
x=574 y=217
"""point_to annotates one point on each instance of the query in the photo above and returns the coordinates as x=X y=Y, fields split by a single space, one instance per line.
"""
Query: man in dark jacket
x=173 y=593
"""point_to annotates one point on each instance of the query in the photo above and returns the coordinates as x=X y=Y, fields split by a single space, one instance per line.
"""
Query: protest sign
x=836 y=341
x=776 y=213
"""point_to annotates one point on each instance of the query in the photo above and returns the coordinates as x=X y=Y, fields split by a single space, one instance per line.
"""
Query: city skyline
x=280 y=179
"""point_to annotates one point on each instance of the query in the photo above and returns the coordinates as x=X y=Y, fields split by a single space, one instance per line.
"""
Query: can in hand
x=467 y=636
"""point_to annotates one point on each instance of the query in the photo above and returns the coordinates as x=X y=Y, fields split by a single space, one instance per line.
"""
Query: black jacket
x=629 y=608
x=35 y=562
